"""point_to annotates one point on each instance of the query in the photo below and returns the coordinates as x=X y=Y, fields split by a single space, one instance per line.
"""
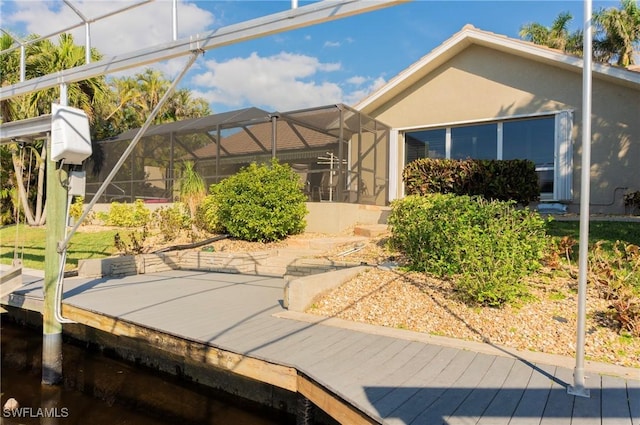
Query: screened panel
x=317 y=143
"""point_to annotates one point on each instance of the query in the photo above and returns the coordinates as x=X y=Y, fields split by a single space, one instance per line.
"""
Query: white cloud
x=363 y=91
x=331 y=44
x=279 y=82
x=357 y=80
x=137 y=28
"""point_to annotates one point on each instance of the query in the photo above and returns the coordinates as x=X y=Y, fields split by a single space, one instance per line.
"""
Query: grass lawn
x=99 y=244
x=30 y=245
x=609 y=231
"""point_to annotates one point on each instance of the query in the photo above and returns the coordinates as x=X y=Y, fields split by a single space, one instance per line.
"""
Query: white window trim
x=396 y=151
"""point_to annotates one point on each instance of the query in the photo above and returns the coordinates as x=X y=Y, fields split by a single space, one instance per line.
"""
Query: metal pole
x=578 y=387
x=63 y=245
x=87 y=43
x=274 y=134
x=175 y=20
x=22 y=62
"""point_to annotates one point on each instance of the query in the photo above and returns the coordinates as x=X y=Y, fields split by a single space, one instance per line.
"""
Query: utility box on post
x=70 y=135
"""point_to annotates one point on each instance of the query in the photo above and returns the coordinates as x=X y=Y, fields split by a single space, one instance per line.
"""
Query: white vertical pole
x=578 y=387
x=63 y=94
x=22 y=61
x=175 y=20
x=294 y=4
x=87 y=42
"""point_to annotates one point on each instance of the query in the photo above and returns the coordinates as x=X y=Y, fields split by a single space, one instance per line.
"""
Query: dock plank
x=633 y=388
x=388 y=379
x=501 y=409
x=456 y=393
x=417 y=394
x=482 y=395
x=559 y=404
x=588 y=411
x=434 y=361
x=615 y=404
x=535 y=396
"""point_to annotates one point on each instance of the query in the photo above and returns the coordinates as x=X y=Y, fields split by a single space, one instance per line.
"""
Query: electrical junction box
x=70 y=136
x=77 y=183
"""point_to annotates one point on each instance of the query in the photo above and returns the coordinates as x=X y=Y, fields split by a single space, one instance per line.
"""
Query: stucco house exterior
x=483 y=95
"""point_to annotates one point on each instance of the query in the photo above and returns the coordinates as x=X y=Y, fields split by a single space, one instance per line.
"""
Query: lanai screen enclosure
x=340 y=154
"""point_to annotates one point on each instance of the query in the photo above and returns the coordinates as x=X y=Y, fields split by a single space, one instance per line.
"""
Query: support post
x=51 y=328
x=578 y=387
x=274 y=135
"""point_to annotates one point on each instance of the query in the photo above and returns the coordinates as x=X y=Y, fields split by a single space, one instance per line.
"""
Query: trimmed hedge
x=514 y=179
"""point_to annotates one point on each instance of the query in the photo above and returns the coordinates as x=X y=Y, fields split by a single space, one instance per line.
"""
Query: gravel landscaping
x=546 y=323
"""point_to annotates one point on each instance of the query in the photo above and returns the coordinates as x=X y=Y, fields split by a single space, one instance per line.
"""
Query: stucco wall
x=481 y=83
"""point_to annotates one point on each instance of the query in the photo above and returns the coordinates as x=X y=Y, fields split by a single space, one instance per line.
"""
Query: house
x=486 y=96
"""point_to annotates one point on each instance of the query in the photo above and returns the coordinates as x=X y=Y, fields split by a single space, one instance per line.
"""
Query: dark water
x=102 y=390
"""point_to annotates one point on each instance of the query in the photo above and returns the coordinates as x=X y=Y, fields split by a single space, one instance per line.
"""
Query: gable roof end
x=469 y=35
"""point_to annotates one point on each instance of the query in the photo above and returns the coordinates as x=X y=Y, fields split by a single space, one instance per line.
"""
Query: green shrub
x=172 y=219
x=76 y=208
x=261 y=203
x=206 y=217
x=128 y=215
x=503 y=180
x=487 y=247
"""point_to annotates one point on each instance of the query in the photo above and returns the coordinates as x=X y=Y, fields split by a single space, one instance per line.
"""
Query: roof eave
x=470 y=36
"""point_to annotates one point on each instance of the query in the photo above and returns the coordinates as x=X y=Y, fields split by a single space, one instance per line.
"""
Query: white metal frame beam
x=288 y=20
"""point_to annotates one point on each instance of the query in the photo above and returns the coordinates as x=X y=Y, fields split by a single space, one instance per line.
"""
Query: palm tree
x=44 y=57
x=192 y=189
x=557 y=36
x=617 y=33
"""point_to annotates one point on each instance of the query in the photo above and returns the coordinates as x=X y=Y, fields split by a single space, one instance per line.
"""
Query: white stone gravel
x=413 y=301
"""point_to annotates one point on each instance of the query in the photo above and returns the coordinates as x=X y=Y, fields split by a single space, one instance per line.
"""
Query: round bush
x=261 y=203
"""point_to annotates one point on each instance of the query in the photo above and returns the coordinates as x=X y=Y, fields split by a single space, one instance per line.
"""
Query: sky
x=341 y=61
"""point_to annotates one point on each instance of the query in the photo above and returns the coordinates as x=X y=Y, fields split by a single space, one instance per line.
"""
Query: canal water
x=101 y=390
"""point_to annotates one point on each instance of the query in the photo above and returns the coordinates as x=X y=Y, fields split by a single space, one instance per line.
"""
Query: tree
x=43 y=57
x=617 y=33
x=557 y=36
x=192 y=189
x=133 y=98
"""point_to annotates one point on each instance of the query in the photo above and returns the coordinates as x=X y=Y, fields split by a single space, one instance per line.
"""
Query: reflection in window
x=531 y=139
x=425 y=144
x=474 y=141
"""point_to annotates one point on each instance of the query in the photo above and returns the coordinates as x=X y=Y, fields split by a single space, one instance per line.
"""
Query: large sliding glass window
x=545 y=140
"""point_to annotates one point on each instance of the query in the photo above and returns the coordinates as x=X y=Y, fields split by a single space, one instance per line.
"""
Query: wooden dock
x=355 y=373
